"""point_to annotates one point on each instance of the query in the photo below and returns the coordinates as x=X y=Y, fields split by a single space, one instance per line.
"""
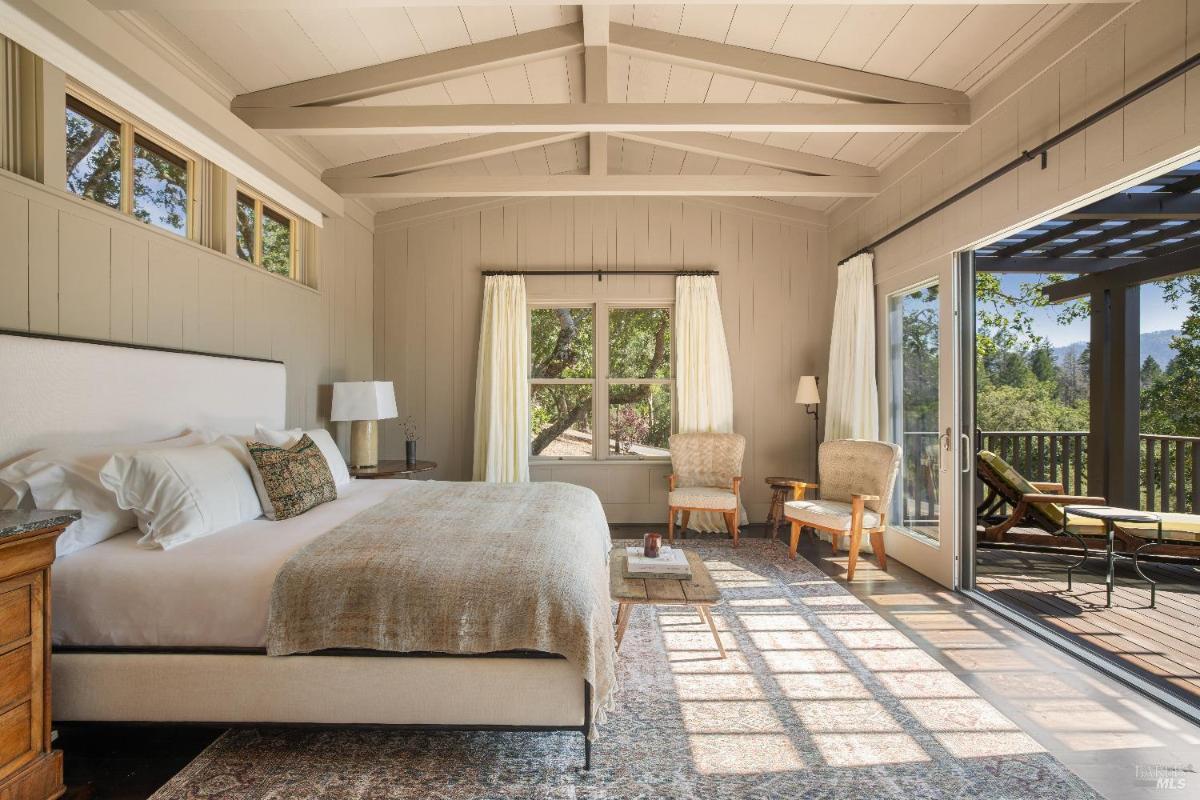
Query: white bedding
x=213 y=592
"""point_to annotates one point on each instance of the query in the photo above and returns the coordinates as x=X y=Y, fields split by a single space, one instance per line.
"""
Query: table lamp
x=362 y=404
x=808 y=394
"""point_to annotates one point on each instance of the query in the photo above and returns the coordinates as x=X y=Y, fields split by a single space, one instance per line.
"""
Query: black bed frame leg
x=587 y=725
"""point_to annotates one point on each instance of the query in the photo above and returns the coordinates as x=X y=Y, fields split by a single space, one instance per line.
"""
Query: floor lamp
x=808 y=394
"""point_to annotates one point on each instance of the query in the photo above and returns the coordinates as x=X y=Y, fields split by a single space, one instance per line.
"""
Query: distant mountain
x=1153 y=343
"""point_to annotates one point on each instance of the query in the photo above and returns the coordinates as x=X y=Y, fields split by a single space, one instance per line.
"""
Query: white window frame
x=601 y=382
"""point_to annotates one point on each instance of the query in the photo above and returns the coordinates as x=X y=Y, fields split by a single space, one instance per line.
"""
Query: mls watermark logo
x=1165 y=776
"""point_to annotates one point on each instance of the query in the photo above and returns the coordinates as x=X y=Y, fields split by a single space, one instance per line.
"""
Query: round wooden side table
x=393 y=469
x=781 y=492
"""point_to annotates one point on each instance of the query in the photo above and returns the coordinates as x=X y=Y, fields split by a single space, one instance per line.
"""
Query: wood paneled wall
x=776 y=297
x=1057 y=83
x=71 y=267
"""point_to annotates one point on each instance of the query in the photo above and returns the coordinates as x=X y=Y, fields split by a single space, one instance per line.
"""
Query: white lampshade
x=806 y=392
x=361 y=400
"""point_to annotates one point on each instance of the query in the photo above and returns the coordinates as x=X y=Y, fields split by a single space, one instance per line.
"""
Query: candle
x=650 y=544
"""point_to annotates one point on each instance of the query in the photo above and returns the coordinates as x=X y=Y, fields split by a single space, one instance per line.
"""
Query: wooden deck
x=1160 y=644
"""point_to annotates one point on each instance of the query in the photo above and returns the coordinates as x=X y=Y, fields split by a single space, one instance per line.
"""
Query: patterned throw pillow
x=291 y=480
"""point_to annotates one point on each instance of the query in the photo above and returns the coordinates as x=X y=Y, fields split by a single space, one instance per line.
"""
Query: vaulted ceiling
x=397 y=102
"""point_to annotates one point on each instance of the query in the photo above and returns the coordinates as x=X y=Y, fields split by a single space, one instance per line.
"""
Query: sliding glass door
x=916 y=313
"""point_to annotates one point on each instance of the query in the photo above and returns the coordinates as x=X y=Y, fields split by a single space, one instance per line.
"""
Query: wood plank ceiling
x=260 y=46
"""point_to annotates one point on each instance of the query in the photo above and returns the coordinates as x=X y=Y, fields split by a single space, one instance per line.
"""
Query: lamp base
x=364 y=443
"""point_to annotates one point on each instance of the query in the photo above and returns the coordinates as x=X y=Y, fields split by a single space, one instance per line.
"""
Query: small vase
x=410 y=452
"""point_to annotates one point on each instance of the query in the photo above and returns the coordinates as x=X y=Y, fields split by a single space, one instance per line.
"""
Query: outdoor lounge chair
x=1040 y=505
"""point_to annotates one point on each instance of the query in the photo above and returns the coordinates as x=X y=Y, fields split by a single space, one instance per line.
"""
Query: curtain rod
x=600 y=273
x=1041 y=150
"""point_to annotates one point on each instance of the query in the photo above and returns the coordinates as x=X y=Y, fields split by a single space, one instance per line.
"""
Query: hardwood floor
x=1160 y=644
x=1101 y=730
x=124 y=762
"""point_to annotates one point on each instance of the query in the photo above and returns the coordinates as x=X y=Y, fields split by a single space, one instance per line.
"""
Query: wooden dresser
x=29 y=769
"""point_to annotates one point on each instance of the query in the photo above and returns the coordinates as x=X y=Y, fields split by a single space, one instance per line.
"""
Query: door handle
x=966 y=467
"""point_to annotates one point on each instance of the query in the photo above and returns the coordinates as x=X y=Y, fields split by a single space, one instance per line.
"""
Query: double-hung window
x=266 y=236
x=601 y=381
x=115 y=163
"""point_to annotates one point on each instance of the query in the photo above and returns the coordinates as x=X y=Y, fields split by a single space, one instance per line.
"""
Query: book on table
x=670 y=563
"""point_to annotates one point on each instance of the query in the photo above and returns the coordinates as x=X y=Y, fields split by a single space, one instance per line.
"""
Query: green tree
x=93 y=160
x=1151 y=372
x=1043 y=366
x=562 y=345
x=1169 y=405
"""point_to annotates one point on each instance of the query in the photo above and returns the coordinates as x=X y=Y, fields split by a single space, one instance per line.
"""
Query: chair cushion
x=703 y=497
x=826 y=514
x=1176 y=527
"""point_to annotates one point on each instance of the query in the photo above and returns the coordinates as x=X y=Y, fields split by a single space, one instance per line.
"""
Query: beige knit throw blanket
x=458 y=568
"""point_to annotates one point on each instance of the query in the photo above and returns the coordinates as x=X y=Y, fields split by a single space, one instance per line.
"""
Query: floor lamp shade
x=363 y=403
x=807 y=392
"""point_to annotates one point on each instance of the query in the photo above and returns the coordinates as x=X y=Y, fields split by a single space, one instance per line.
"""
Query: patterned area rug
x=819 y=698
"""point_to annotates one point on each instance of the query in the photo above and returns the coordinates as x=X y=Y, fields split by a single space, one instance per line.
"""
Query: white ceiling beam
x=322 y=5
x=610 y=118
x=408 y=73
x=595 y=25
x=595 y=79
x=765 y=155
x=781 y=70
x=440 y=155
x=597 y=153
x=421 y=185
x=433 y=210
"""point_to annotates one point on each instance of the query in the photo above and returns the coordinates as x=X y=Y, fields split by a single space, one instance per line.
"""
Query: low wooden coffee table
x=699 y=592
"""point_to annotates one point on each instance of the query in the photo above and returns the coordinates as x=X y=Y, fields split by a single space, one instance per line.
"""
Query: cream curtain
x=852 y=398
x=704 y=382
x=502 y=383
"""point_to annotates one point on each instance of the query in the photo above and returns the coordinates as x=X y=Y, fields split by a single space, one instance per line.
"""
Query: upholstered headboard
x=55 y=390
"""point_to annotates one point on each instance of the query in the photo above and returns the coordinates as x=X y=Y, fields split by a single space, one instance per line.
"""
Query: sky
x=1157 y=315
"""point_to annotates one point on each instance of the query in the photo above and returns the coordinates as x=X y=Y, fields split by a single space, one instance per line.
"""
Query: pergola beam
x=1135 y=272
x=421 y=185
x=409 y=73
x=1162 y=205
x=439 y=155
x=1052 y=235
x=718 y=146
x=610 y=118
x=781 y=70
x=1081 y=265
x=1151 y=238
x=1105 y=234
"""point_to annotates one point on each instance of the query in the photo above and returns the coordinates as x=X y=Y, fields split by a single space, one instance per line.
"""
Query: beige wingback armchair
x=706 y=476
x=857 y=479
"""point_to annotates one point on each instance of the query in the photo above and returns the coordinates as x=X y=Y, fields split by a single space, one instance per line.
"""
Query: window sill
x=626 y=462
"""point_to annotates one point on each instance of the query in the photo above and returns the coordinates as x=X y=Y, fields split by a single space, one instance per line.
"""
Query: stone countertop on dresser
x=13 y=523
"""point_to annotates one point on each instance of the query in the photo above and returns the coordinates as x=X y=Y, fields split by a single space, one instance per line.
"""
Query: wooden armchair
x=859 y=477
x=706 y=477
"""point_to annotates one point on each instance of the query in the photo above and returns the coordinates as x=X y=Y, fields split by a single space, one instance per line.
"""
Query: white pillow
x=321 y=437
x=181 y=494
x=69 y=477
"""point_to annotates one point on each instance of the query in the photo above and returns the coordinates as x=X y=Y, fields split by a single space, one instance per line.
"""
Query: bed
x=181 y=635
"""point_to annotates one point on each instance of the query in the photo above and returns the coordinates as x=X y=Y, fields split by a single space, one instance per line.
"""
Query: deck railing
x=1168 y=466
x=1059 y=456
